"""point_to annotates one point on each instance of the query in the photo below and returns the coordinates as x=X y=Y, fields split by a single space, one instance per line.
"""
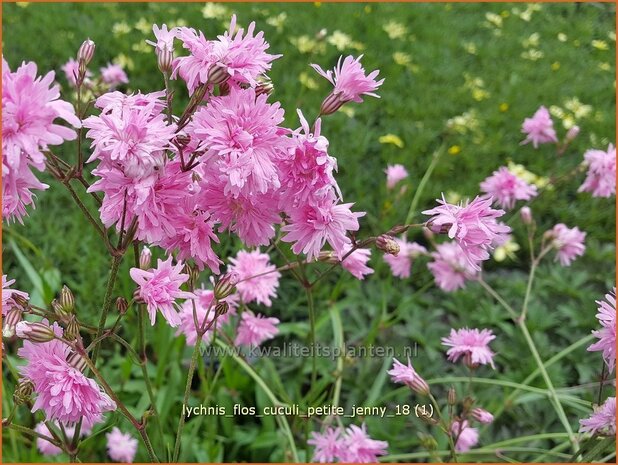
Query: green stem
x=338 y=332
x=276 y=402
x=446 y=428
x=107 y=303
x=31 y=432
x=421 y=186
x=181 y=420
x=550 y=386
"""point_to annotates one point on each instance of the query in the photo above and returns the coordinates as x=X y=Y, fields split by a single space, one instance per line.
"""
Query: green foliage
x=495 y=63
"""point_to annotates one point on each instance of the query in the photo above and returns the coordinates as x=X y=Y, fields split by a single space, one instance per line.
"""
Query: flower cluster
x=31 y=108
x=506 y=188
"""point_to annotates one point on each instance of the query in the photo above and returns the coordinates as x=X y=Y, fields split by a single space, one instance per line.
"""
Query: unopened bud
x=23 y=391
x=482 y=415
x=572 y=134
x=122 y=305
x=165 y=58
x=10 y=322
x=427 y=418
x=72 y=330
x=145 y=258
x=20 y=300
x=331 y=104
x=224 y=89
x=77 y=361
x=265 y=86
x=59 y=310
x=452 y=396
x=85 y=52
x=67 y=300
x=468 y=402
x=387 y=244
x=226 y=285
x=221 y=308
x=34 y=332
x=526 y=215
x=218 y=74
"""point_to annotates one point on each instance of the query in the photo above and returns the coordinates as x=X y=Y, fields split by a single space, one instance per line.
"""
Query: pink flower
x=539 y=129
x=255 y=329
x=251 y=216
x=46 y=447
x=165 y=38
x=507 y=188
x=121 y=447
x=450 y=267
x=394 y=174
x=349 y=81
x=265 y=281
x=482 y=416
x=241 y=135
x=601 y=178
x=607 y=334
x=241 y=56
x=30 y=105
x=132 y=137
x=466 y=436
x=311 y=226
x=50 y=372
x=113 y=75
x=472 y=345
x=568 y=242
x=401 y=264
x=205 y=313
x=328 y=445
x=71 y=71
x=160 y=288
x=356 y=262
x=9 y=295
x=358 y=447
x=405 y=374
x=602 y=421
x=473 y=225
x=307 y=169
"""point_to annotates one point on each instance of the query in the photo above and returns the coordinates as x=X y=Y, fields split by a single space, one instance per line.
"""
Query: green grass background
x=457 y=58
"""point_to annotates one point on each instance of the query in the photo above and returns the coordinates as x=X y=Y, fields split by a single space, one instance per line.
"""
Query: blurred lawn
x=495 y=63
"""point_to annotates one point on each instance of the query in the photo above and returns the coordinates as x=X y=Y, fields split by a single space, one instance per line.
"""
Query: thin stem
x=107 y=303
x=338 y=331
x=601 y=382
x=421 y=186
x=490 y=290
x=31 y=432
x=445 y=427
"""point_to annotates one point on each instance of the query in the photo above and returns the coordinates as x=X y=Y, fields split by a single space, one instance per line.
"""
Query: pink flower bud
x=482 y=415
x=526 y=215
x=218 y=74
x=572 y=134
x=145 y=258
x=85 y=52
x=34 y=332
x=387 y=244
x=165 y=58
x=12 y=318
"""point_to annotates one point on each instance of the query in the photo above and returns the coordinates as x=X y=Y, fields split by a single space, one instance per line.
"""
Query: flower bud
x=452 y=396
x=165 y=59
x=331 y=104
x=526 y=215
x=221 y=308
x=427 y=418
x=218 y=74
x=77 y=361
x=34 y=332
x=23 y=391
x=265 y=86
x=226 y=285
x=122 y=305
x=67 y=300
x=10 y=322
x=20 y=300
x=387 y=244
x=145 y=258
x=85 y=52
x=572 y=134
x=72 y=330
x=482 y=415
